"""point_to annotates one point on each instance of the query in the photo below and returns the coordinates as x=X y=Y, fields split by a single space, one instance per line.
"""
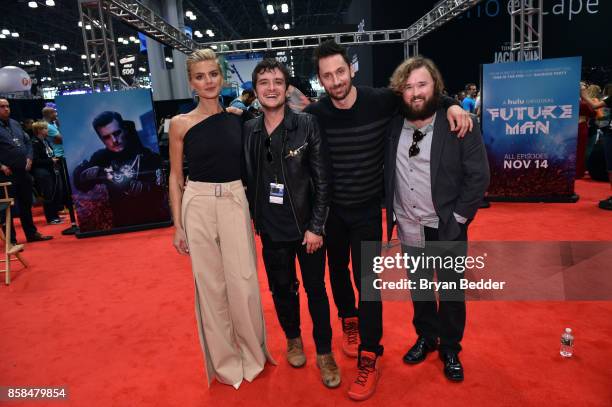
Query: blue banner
x=530 y=127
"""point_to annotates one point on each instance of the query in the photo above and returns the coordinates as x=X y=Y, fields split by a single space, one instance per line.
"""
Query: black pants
x=50 y=186
x=21 y=190
x=279 y=259
x=444 y=319
x=347 y=228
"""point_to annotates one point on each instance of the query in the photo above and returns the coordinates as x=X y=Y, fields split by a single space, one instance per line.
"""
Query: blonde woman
x=212 y=226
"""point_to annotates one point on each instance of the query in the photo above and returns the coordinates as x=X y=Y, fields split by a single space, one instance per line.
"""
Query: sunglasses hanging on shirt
x=414 y=148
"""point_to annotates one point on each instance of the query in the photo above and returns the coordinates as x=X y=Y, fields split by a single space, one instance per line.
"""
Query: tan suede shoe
x=330 y=373
x=295 y=352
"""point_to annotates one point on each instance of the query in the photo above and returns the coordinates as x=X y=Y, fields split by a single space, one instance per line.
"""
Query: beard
x=343 y=95
x=429 y=108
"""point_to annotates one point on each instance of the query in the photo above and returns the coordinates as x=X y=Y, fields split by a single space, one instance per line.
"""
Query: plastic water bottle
x=567 y=343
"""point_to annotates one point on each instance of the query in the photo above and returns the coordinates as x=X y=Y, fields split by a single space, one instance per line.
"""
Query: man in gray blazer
x=434 y=183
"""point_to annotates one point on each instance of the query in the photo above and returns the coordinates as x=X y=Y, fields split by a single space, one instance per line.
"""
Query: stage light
x=112 y=64
x=192 y=17
x=188 y=13
x=45 y=46
x=2 y=36
x=210 y=33
x=15 y=35
x=120 y=39
x=275 y=27
x=56 y=45
x=36 y=63
x=92 y=56
x=83 y=56
x=197 y=33
x=132 y=38
x=136 y=41
x=213 y=46
x=284 y=8
x=287 y=26
x=52 y=49
x=88 y=26
x=32 y=4
x=80 y=24
x=6 y=32
x=270 y=9
x=50 y=3
x=63 y=48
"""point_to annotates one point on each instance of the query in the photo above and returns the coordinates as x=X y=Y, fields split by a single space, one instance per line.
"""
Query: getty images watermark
x=442 y=264
x=488 y=270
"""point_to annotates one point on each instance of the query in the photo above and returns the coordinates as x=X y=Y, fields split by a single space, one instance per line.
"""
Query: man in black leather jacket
x=288 y=186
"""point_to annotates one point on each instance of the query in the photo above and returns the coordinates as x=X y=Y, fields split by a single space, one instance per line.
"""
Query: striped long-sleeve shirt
x=355 y=138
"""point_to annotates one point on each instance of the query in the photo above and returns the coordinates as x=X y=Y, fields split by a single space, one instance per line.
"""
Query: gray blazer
x=459 y=173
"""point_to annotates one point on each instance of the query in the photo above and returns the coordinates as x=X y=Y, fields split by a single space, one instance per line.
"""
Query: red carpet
x=112 y=319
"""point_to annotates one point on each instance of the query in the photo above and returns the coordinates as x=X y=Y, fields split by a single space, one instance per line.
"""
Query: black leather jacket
x=305 y=165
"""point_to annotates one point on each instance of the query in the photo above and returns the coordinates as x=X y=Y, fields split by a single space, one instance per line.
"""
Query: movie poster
x=113 y=160
x=530 y=128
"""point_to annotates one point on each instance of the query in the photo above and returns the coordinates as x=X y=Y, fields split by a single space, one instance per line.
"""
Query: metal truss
x=526 y=25
x=443 y=12
x=100 y=50
x=145 y=20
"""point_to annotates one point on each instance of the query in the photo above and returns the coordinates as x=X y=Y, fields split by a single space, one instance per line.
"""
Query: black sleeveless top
x=213 y=149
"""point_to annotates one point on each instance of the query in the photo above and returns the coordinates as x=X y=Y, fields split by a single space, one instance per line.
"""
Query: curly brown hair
x=403 y=71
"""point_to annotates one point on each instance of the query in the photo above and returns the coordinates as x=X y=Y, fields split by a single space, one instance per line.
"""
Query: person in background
x=244 y=101
x=586 y=113
x=15 y=165
x=45 y=173
x=469 y=102
x=57 y=142
x=27 y=127
x=605 y=204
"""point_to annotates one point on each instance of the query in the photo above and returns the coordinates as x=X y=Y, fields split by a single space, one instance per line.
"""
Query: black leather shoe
x=37 y=237
x=419 y=351
x=453 y=370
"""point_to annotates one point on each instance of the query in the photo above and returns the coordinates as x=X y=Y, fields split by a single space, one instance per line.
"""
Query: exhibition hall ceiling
x=48 y=36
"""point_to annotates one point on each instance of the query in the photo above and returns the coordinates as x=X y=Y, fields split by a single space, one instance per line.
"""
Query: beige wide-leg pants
x=227 y=301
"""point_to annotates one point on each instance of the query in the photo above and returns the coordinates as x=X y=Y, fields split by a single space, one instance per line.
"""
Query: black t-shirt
x=355 y=138
x=277 y=221
x=213 y=149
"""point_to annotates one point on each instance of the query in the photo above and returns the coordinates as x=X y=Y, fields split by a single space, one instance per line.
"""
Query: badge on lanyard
x=277 y=191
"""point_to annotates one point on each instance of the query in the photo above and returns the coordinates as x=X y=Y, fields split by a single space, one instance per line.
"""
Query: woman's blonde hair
x=593 y=91
x=201 y=55
x=402 y=72
x=39 y=125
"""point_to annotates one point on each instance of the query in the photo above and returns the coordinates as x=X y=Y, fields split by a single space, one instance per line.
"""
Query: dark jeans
x=21 y=190
x=50 y=186
x=446 y=319
x=279 y=259
x=347 y=228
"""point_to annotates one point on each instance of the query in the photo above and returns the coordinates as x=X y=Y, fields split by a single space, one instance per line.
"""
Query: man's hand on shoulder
x=460 y=120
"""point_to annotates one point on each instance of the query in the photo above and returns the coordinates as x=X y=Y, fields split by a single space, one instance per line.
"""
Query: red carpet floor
x=112 y=319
